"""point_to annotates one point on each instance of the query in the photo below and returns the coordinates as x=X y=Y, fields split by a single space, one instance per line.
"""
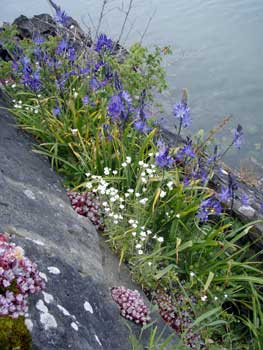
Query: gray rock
x=247 y=211
x=76 y=310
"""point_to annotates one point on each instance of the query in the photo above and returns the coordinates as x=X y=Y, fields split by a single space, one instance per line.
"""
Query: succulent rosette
x=19 y=277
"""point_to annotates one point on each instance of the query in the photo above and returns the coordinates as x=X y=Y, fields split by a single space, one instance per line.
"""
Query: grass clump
x=14 y=334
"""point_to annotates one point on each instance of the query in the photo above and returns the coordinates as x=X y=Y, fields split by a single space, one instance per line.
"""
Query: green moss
x=14 y=334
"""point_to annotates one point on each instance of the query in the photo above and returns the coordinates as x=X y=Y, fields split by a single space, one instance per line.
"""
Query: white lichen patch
x=29 y=194
x=36 y=241
x=74 y=326
x=63 y=310
x=48 y=321
x=41 y=306
x=247 y=210
x=54 y=270
x=29 y=324
x=48 y=297
x=88 y=307
x=223 y=171
x=43 y=276
x=97 y=339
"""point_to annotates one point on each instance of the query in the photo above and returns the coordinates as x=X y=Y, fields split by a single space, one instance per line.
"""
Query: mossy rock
x=14 y=334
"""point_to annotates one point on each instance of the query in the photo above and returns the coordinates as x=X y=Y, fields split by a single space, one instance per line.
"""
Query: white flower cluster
x=148 y=171
x=118 y=207
x=19 y=105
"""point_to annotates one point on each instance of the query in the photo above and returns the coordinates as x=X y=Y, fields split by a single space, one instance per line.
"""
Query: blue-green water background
x=217 y=54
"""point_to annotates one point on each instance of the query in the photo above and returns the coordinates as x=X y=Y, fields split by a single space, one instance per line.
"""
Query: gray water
x=217 y=54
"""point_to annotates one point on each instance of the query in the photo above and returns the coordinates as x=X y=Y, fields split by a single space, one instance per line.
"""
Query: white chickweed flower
x=74 y=132
x=192 y=274
x=203 y=297
x=162 y=194
x=128 y=160
x=124 y=164
x=106 y=171
x=160 y=239
x=170 y=185
x=143 y=201
x=140 y=252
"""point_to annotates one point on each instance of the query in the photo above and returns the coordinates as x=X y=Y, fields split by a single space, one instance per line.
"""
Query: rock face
x=44 y=25
x=76 y=310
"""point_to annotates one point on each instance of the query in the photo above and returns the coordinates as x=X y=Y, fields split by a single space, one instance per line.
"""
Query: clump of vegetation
x=14 y=334
x=19 y=278
x=93 y=115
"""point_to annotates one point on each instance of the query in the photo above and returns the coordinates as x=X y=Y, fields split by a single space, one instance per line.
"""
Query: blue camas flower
x=72 y=54
x=115 y=107
x=32 y=80
x=94 y=84
x=238 y=136
x=182 y=112
x=185 y=152
x=85 y=100
x=224 y=195
x=244 y=199
x=142 y=126
x=102 y=43
x=117 y=82
x=210 y=206
x=56 y=111
x=38 y=40
x=162 y=159
x=61 y=17
x=62 y=46
x=85 y=70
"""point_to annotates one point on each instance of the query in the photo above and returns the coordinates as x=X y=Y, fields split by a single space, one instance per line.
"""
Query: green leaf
x=164 y=271
x=209 y=280
x=206 y=315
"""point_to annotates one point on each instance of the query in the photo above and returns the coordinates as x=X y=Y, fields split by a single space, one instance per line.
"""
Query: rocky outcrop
x=76 y=310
